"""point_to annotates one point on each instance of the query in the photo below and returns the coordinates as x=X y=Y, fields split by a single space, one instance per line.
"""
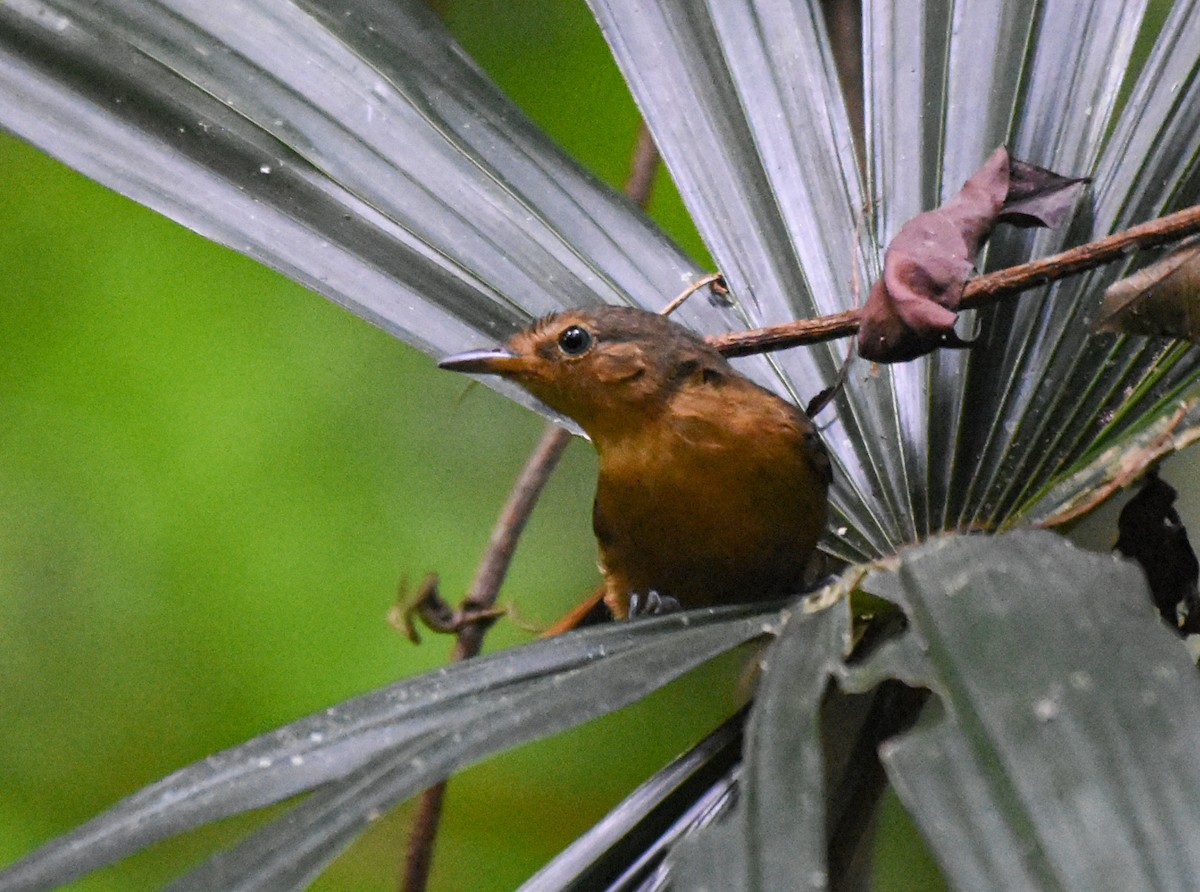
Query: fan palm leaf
x=357 y=149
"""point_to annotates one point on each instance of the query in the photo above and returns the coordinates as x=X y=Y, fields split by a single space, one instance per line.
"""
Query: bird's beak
x=497 y=361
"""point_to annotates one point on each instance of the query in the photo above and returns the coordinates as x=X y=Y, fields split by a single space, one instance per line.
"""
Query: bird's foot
x=652 y=604
x=821 y=583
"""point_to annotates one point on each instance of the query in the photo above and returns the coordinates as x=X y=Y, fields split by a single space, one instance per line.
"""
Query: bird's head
x=605 y=368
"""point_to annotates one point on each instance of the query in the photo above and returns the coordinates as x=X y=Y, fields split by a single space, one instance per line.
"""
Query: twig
x=418 y=857
x=713 y=279
x=507 y=530
x=980 y=291
x=991 y=288
x=477 y=606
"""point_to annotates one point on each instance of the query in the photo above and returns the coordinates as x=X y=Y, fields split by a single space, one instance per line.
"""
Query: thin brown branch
x=989 y=289
x=789 y=334
x=476 y=612
x=713 y=279
x=505 y=533
x=980 y=291
x=418 y=857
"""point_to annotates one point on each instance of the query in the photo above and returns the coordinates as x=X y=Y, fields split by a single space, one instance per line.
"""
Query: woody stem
x=980 y=291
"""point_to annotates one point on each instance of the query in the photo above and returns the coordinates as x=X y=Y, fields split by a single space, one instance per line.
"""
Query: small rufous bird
x=711 y=490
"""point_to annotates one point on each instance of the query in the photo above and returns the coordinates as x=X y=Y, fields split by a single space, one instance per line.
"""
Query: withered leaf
x=911 y=310
x=1038 y=197
x=1161 y=300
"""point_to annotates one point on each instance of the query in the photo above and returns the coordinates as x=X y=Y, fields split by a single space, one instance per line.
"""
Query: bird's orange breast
x=711 y=503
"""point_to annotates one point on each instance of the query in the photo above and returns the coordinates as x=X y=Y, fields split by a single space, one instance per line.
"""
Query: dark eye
x=574 y=340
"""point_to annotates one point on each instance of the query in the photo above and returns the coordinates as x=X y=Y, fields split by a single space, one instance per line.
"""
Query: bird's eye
x=574 y=340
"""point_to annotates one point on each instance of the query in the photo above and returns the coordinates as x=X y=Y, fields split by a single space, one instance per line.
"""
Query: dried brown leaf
x=1038 y=197
x=1161 y=300
x=912 y=309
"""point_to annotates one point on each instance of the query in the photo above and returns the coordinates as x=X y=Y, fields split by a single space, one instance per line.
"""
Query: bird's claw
x=652 y=604
x=821 y=583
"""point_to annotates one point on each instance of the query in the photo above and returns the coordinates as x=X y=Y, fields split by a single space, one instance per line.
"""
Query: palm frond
x=357 y=149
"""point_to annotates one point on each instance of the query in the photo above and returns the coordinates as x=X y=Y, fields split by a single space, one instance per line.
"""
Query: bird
x=711 y=489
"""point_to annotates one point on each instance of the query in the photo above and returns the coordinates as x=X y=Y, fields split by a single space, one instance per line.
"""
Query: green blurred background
x=212 y=481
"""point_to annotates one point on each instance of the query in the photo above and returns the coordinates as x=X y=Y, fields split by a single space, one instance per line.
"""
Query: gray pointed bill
x=494 y=361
